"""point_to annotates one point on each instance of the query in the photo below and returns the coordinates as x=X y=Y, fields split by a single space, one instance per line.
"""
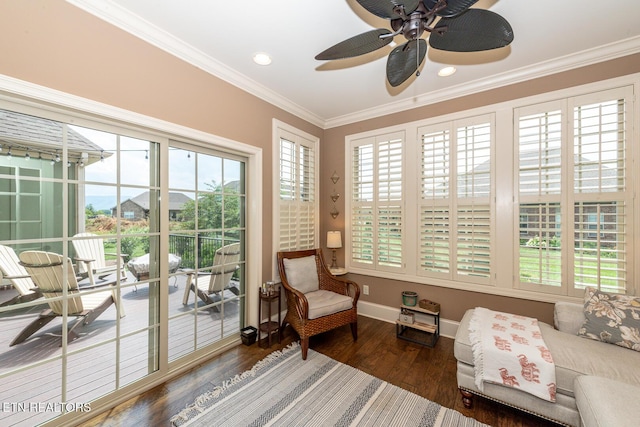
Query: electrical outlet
x=365 y=289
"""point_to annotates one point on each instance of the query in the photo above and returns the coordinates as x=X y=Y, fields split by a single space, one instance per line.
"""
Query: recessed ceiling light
x=262 y=58
x=446 y=71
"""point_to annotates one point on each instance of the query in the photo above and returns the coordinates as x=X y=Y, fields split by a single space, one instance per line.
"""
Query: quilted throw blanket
x=509 y=349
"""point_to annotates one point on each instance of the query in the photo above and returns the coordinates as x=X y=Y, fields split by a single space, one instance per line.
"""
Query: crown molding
x=133 y=24
x=125 y=20
x=580 y=59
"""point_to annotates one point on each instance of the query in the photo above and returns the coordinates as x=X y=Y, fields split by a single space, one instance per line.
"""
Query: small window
x=295 y=191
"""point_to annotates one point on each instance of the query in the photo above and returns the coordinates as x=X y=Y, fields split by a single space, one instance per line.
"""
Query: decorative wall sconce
x=334 y=196
x=335 y=178
x=334 y=213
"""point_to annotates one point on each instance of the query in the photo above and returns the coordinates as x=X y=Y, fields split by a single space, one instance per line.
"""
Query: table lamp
x=334 y=241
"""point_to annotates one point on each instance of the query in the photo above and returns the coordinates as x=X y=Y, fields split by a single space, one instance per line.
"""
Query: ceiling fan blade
x=473 y=31
x=384 y=8
x=357 y=45
x=454 y=7
x=404 y=60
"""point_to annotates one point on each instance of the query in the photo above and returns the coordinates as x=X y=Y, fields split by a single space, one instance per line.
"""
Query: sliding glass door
x=209 y=234
x=89 y=269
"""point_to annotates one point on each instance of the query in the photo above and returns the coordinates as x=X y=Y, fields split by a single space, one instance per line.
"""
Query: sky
x=188 y=170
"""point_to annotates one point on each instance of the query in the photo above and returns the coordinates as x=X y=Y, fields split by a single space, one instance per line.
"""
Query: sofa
x=597 y=383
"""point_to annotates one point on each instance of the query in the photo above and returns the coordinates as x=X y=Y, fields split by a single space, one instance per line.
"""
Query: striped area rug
x=284 y=390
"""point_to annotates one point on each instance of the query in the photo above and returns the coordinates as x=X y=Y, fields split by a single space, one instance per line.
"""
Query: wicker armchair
x=314 y=306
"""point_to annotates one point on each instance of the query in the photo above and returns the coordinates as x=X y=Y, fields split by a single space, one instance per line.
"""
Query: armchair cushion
x=317 y=301
x=302 y=274
x=322 y=303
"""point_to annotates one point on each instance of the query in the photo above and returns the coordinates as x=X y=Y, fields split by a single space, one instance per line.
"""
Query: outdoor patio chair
x=91 y=257
x=213 y=282
x=18 y=277
x=317 y=301
x=47 y=269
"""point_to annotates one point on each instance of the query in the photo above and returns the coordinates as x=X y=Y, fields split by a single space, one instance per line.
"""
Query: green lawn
x=585 y=269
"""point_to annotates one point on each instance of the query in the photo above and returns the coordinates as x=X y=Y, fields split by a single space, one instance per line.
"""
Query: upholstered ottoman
x=603 y=402
x=575 y=358
x=564 y=411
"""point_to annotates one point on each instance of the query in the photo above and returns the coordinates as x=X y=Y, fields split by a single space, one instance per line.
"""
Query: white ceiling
x=221 y=37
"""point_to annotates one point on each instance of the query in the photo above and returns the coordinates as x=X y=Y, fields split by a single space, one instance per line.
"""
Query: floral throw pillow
x=611 y=318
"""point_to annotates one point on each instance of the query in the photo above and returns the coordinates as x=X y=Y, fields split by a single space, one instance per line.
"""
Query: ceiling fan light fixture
x=447 y=71
x=452 y=25
x=261 y=58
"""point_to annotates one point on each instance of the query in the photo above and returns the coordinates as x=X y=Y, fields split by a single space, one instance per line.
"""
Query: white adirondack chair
x=213 y=282
x=16 y=274
x=47 y=269
x=91 y=257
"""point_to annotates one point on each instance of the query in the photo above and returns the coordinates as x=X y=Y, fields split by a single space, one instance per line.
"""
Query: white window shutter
x=296 y=226
x=540 y=190
x=455 y=201
x=575 y=180
x=601 y=201
x=377 y=205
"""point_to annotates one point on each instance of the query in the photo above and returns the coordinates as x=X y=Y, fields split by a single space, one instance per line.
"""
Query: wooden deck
x=31 y=373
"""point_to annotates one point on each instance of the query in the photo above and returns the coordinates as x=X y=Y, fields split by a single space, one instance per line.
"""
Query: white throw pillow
x=302 y=273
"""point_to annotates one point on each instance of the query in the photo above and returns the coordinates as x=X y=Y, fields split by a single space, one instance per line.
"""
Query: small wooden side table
x=338 y=271
x=269 y=327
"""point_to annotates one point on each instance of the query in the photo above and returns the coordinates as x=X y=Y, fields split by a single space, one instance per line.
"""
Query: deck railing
x=188 y=246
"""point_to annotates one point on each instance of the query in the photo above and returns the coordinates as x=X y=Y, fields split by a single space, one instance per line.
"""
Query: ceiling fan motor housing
x=413 y=26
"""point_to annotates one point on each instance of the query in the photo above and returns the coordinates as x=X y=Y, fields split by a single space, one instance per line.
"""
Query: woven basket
x=429 y=305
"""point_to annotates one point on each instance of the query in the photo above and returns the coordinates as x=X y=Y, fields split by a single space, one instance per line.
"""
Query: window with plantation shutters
x=455 y=201
x=473 y=204
x=377 y=203
x=296 y=210
x=539 y=184
x=574 y=200
x=435 y=226
x=531 y=198
x=600 y=196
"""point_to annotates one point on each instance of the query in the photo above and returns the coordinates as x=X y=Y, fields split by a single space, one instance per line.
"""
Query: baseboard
x=448 y=328
x=385 y=313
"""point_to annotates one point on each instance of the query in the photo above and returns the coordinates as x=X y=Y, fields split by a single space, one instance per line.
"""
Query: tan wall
x=453 y=302
x=54 y=44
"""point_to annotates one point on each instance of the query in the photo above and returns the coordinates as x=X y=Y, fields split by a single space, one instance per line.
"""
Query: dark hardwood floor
x=429 y=372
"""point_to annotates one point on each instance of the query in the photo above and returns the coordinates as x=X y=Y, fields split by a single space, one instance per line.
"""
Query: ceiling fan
x=458 y=29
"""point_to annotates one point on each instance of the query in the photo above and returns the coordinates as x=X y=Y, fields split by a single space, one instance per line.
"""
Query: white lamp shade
x=334 y=239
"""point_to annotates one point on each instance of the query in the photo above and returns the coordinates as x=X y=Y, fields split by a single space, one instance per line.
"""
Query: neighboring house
x=531 y=217
x=32 y=148
x=137 y=207
x=42 y=138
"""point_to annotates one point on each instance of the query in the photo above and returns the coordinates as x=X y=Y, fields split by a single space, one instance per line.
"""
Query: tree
x=216 y=205
x=89 y=211
x=219 y=212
